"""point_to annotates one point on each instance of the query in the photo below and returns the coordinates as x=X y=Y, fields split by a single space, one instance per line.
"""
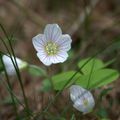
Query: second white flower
x=82 y=99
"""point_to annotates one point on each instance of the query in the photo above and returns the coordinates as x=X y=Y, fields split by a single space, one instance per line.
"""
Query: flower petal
x=52 y=32
x=62 y=56
x=44 y=58
x=79 y=106
x=9 y=66
x=39 y=42
x=64 y=42
x=75 y=92
x=54 y=59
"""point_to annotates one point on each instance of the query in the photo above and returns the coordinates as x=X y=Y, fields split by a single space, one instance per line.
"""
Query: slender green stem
x=92 y=67
x=16 y=67
x=10 y=87
x=49 y=69
x=7 y=87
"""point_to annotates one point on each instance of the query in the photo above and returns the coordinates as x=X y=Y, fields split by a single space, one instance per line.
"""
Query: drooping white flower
x=9 y=66
x=82 y=99
x=52 y=46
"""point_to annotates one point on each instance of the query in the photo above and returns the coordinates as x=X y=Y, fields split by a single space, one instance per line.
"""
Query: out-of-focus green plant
x=99 y=76
x=36 y=71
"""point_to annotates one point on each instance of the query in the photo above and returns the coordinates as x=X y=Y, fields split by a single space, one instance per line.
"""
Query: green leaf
x=61 y=79
x=98 y=78
x=95 y=63
x=46 y=85
x=102 y=112
x=36 y=71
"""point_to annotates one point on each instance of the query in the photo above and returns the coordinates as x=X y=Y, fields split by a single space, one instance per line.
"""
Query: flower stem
x=16 y=67
x=10 y=88
x=49 y=69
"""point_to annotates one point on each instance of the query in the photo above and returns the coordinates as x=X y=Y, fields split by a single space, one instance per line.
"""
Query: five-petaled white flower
x=52 y=46
x=9 y=66
x=82 y=99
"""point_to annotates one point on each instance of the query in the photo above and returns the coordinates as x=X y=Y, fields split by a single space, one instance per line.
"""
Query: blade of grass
x=9 y=90
x=10 y=87
x=73 y=117
x=15 y=66
x=90 y=74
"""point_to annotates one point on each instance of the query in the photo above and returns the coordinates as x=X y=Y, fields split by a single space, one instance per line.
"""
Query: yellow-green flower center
x=85 y=102
x=51 y=48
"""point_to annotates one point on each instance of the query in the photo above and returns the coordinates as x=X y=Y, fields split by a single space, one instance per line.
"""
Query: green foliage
x=61 y=79
x=102 y=112
x=99 y=78
x=36 y=71
x=104 y=119
x=73 y=117
x=46 y=85
x=98 y=64
x=94 y=75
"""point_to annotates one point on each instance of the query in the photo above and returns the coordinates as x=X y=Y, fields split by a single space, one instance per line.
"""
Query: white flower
x=82 y=99
x=9 y=66
x=52 y=46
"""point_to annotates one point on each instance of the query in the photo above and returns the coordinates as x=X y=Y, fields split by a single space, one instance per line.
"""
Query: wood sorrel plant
x=52 y=48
